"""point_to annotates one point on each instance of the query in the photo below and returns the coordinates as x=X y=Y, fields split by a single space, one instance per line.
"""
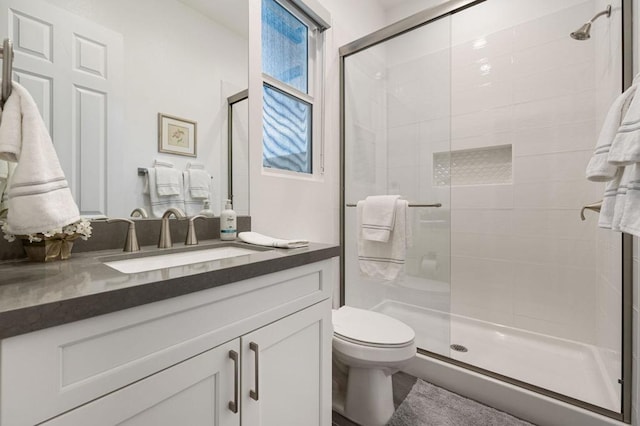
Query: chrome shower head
x=584 y=32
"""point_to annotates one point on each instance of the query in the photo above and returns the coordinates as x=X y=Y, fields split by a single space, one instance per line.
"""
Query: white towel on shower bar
x=600 y=169
x=378 y=217
x=384 y=259
x=39 y=198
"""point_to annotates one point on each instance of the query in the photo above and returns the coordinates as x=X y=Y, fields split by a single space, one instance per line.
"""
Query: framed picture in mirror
x=177 y=135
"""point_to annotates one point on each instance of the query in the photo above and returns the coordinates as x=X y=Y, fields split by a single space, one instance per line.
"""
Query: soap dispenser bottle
x=228 y=223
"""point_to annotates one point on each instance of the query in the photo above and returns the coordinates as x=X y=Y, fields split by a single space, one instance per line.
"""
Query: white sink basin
x=161 y=261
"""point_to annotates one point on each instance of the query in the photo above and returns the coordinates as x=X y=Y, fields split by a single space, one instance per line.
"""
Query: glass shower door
x=493 y=111
x=397 y=121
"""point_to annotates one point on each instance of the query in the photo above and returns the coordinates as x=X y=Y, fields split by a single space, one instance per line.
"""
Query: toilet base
x=369 y=399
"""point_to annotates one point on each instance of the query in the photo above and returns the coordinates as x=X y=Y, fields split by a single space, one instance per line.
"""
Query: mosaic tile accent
x=482 y=166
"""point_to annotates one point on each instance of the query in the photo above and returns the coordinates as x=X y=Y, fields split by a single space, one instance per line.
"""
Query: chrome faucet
x=131 y=242
x=192 y=239
x=165 y=230
x=139 y=212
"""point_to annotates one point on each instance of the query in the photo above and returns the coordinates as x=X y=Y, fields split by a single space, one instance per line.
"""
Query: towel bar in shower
x=6 y=52
x=410 y=205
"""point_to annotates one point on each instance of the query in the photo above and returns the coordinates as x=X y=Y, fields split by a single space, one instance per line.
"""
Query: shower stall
x=491 y=110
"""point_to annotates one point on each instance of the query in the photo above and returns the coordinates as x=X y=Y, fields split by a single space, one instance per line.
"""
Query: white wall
x=298 y=208
x=409 y=7
x=175 y=62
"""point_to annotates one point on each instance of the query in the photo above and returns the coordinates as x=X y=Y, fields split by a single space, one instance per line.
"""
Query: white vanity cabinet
x=194 y=392
x=286 y=371
x=172 y=362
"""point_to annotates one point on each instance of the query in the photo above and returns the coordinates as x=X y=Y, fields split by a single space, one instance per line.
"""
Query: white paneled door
x=73 y=69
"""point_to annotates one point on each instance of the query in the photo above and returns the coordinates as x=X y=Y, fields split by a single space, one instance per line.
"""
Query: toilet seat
x=372 y=329
x=370 y=344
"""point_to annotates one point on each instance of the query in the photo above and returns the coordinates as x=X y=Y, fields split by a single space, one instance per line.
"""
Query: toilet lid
x=370 y=328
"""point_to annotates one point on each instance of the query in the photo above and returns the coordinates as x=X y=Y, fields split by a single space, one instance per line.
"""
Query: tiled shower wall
x=520 y=256
x=536 y=269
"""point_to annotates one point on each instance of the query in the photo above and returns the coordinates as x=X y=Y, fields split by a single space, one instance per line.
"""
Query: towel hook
x=6 y=52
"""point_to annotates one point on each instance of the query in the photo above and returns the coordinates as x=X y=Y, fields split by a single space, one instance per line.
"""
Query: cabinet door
x=286 y=370
x=195 y=392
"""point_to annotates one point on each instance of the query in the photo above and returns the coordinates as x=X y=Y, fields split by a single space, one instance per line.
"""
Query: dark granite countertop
x=34 y=296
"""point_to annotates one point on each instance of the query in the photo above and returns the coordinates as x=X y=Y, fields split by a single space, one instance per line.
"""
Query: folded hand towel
x=263 y=240
x=159 y=204
x=168 y=179
x=384 y=260
x=599 y=168
x=199 y=181
x=39 y=197
x=378 y=217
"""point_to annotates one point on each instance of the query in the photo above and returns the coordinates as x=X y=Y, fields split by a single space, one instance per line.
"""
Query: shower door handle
x=256 y=349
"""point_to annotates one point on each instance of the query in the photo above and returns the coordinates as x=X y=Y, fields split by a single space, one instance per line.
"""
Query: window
x=291 y=85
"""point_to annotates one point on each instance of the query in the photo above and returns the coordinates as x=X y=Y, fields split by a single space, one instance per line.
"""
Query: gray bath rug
x=429 y=405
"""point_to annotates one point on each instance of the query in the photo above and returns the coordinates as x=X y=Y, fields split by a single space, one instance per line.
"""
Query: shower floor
x=567 y=367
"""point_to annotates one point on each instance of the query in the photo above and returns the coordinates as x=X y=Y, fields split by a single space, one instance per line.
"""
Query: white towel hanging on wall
x=39 y=197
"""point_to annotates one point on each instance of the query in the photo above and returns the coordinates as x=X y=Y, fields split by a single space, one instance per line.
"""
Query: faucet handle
x=131 y=242
x=191 y=233
x=176 y=211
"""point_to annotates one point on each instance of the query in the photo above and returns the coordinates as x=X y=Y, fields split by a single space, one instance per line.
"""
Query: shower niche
x=479 y=166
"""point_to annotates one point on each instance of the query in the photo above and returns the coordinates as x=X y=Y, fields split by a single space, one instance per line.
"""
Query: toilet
x=369 y=347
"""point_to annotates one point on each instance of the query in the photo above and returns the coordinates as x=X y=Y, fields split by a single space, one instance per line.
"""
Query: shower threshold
x=567 y=367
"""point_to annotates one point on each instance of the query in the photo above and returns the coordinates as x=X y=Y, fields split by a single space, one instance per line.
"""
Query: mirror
x=102 y=72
